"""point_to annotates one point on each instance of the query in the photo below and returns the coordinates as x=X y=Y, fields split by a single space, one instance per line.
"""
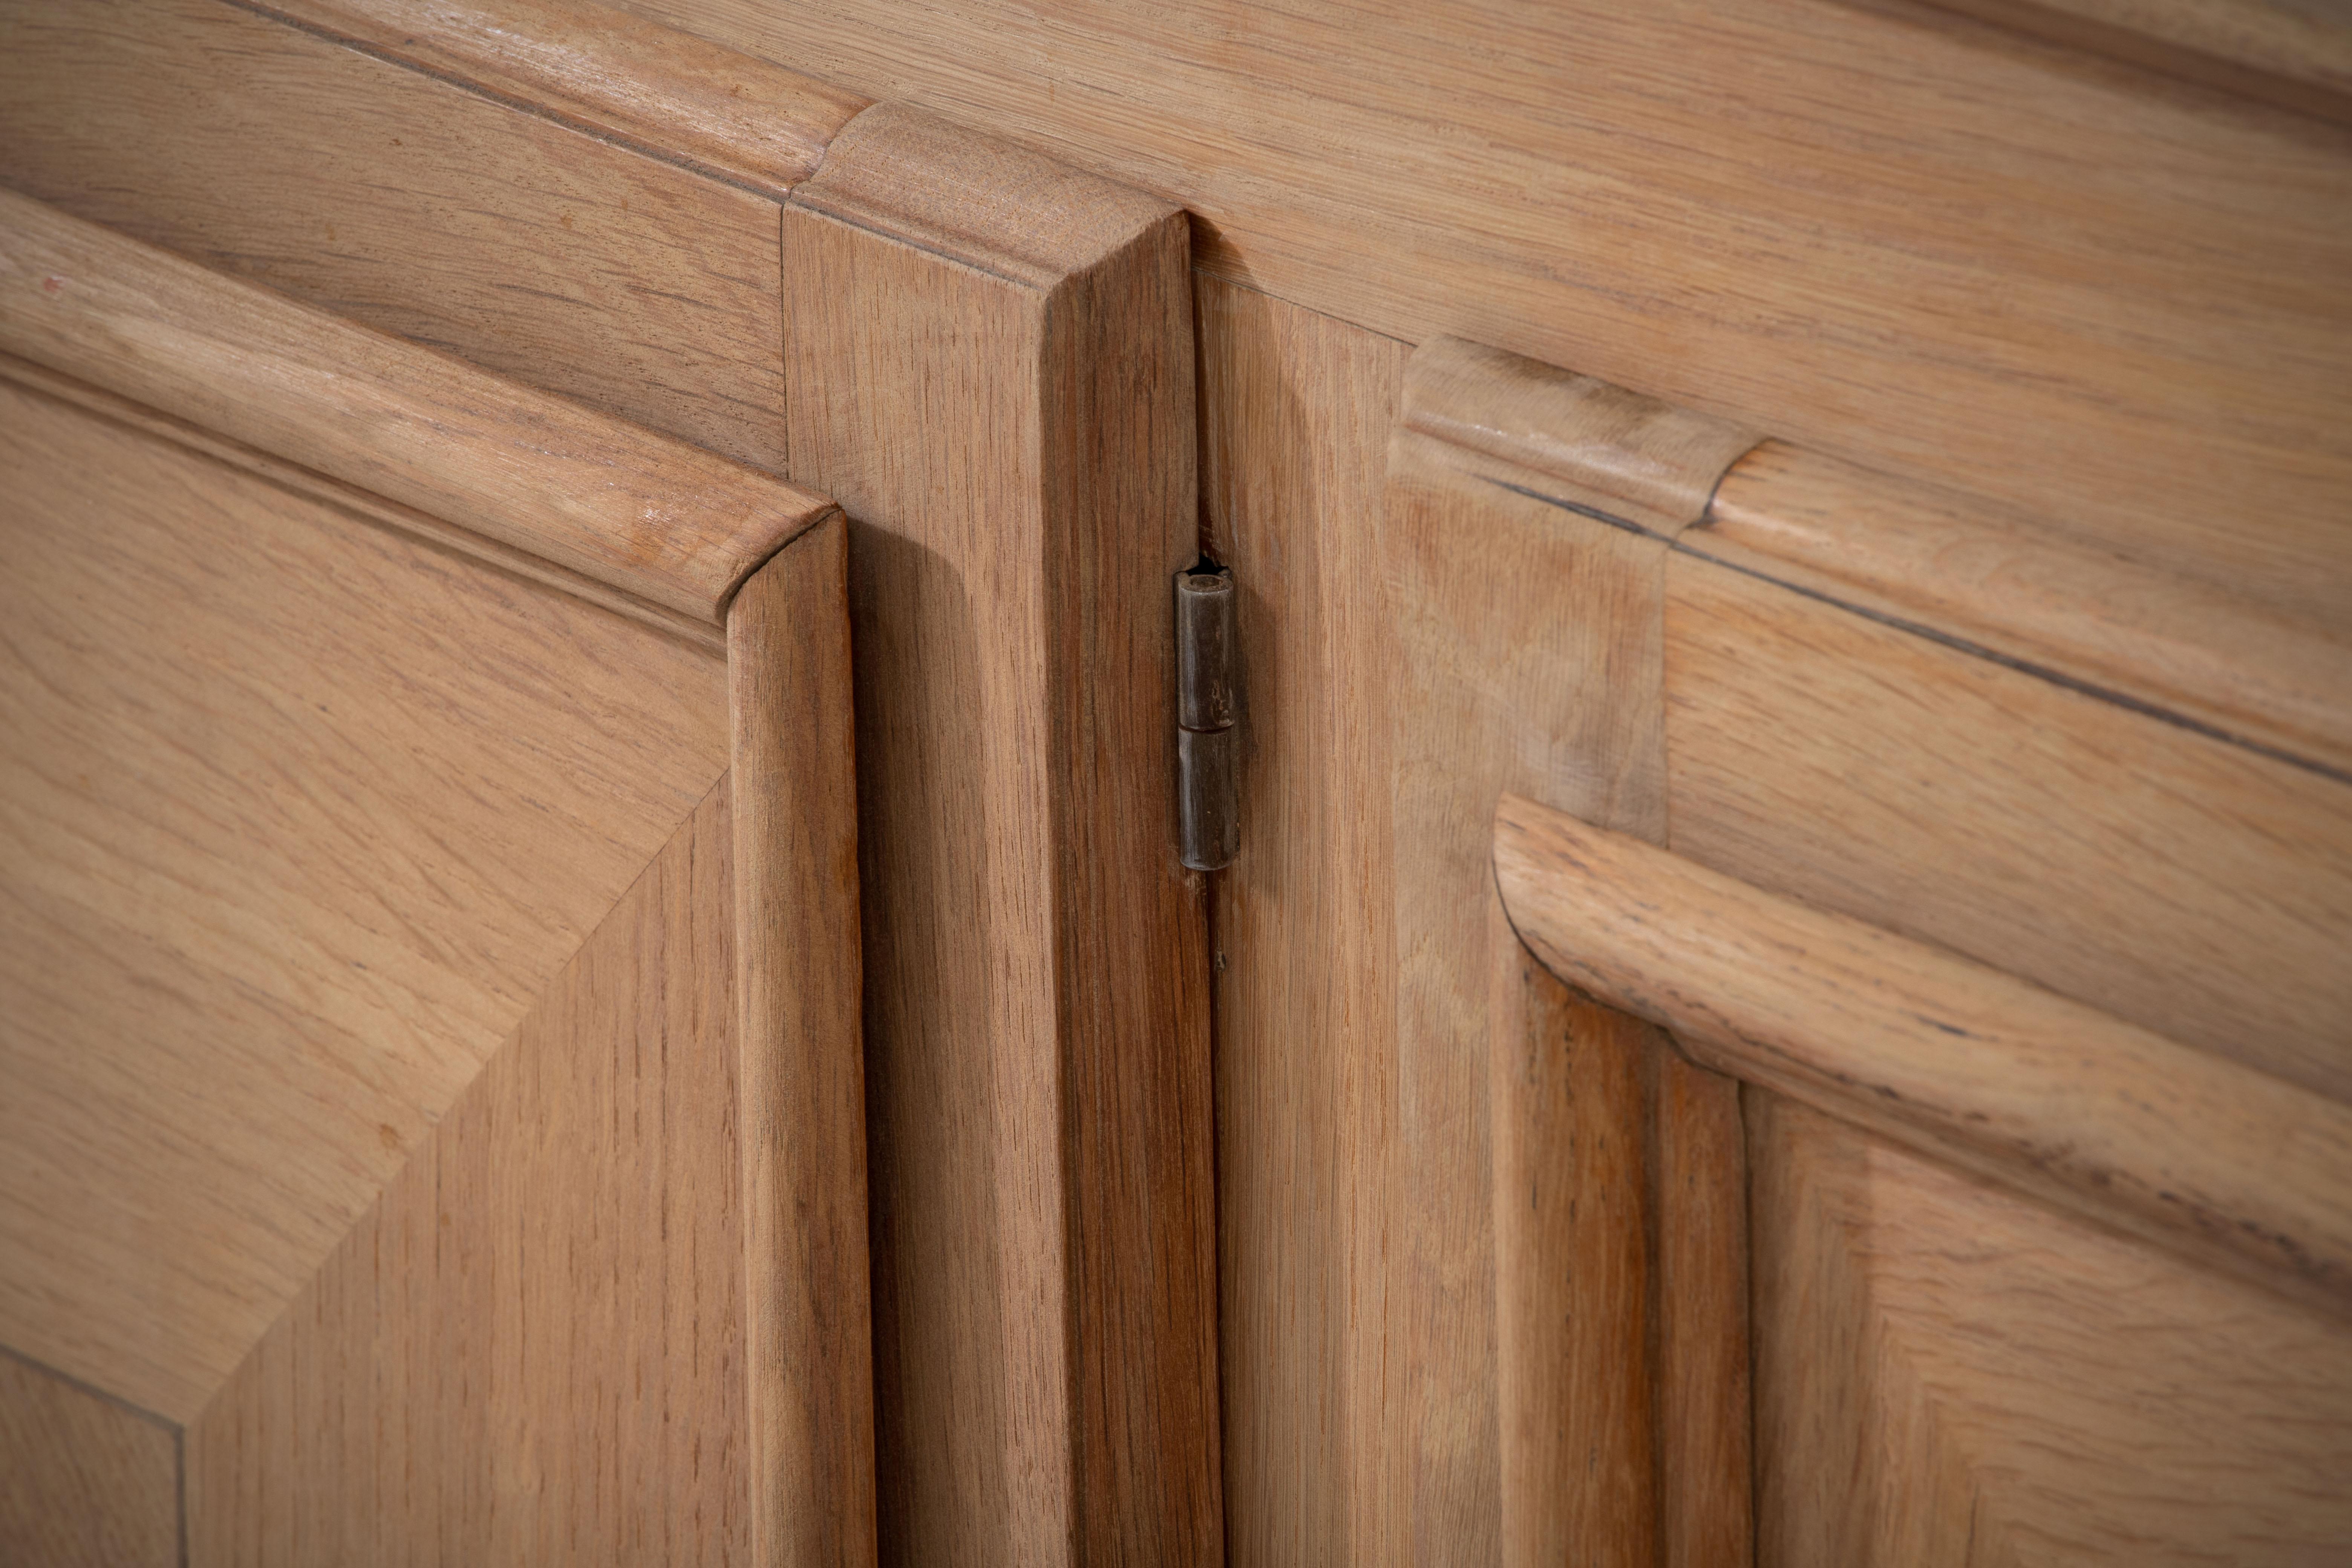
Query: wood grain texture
x=1621 y=1282
x=85 y=1481
x=2290 y=52
x=529 y=1348
x=1888 y=233
x=2189 y=887
x=663 y=92
x=1296 y=411
x=1574 y=1281
x=651 y=515
x=2020 y=587
x=1017 y=462
x=1526 y=635
x=299 y=814
x=808 y=1347
x=358 y=503
x=1985 y=1070
x=407 y=203
x=1948 y=1374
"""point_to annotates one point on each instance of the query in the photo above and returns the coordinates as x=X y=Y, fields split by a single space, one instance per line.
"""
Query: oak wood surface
x=1574 y=1282
x=2290 y=52
x=666 y=92
x=1296 y=411
x=1017 y=463
x=2020 y=587
x=529 y=1348
x=1526 y=648
x=1886 y=232
x=1983 y=1069
x=808 y=1335
x=301 y=815
x=1949 y=1373
x=407 y=202
x=85 y=1481
x=646 y=514
x=1620 y=1284
x=2197 y=888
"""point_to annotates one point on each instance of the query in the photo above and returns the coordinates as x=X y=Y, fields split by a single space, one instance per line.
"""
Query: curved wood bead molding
x=1988 y=1071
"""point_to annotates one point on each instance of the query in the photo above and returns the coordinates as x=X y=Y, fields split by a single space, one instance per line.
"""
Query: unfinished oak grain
x=646 y=514
x=1017 y=463
x=301 y=815
x=1949 y=1374
x=666 y=92
x=1574 y=1273
x=85 y=1481
x=1296 y=412
x=1526 y=626
x=2021 y=588
x=2278 y=51
x=530 y=1346
x=2197 y=888
x=1888 y=233
x=808 y=1334
x=1982 y=1068
x=409 y=203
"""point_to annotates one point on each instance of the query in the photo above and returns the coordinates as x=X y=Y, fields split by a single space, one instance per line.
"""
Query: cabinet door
x=432 y=1122
x=2030 y=1284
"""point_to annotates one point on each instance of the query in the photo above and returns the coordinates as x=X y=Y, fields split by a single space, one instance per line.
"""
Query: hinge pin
x=1208 y=815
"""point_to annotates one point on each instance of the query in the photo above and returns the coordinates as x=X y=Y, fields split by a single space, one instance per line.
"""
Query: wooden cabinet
x=595 y=957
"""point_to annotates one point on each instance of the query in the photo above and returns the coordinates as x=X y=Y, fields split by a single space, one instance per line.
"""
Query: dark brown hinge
x=1208 y=661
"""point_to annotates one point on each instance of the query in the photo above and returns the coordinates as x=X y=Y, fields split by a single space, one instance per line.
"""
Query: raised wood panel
x=2193 y=887
x=1017 y=464
x=1949 y=1373
x=529 y=1348
x=1296 y=410
x=85 y=1481
x=1886 y=232
x=408 y=202
x=301 y=815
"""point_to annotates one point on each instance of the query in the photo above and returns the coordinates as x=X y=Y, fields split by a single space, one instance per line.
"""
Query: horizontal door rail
x=670 y=523
x=1982 y=1068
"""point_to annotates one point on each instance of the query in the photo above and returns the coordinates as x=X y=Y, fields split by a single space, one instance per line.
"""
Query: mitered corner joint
x=1208 y=662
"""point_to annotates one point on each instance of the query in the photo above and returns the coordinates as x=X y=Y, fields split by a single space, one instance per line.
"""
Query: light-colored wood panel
x=85 y=1481
x=1950 y=1375
x=1988 y=1069
x=1620 y=1284
x=1018 y=467
x=666 y=91
x=1296 y=410
x=2023 y=588
x=358 y=503
x=2188 y=886
x=645 y=513
x=1574 y=1273
x=529 y=1348
x=300 y=816
x=1525 y=633
x=407 y=202
x=1888 y=232
x=808 y=1347
x=2291 y=52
